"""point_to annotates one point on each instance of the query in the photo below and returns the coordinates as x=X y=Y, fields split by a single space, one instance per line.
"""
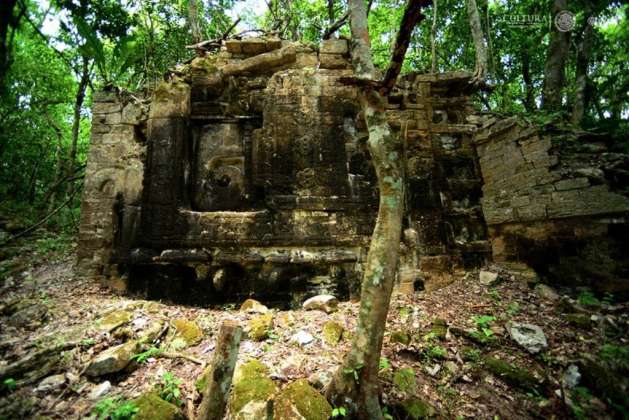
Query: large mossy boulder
x=152 y=407
x=113 y=359
x=301 y=401
x=252 y=388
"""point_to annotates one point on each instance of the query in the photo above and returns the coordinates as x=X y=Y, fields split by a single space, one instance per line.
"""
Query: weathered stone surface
x=300 y=400
x=332 y=332
x=113 y=359
x=325 y=303
x=152 y=407
x=252 y=389
x=529 y=336
x=188 y=332
x=258 y=328
x=334 y=46
x=252 y=306
x=333 y=61
x=114 y=320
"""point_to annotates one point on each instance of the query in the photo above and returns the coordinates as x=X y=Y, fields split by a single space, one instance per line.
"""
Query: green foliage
x=114 y=408
x=145 y=355
x=483 y=324
x=168 y=388
x=513 y=308
x=436 y=352
x=384 y=363
x=10 y=384
x=404 y=380
x=354 y=372
x=339 y=412
x=586 y=298
x=616 y=355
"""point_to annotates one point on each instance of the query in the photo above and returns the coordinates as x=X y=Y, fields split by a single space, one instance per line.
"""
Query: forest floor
x=445 y=347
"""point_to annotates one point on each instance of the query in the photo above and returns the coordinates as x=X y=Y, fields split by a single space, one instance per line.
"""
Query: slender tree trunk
x=529 y=99
x=331 y=11
x=479 y=41
x=554 y=68
x=78 y=104
x=7 y=20
x=433 y=37
x=193 y=18
x=355 y=385
x=583 y=60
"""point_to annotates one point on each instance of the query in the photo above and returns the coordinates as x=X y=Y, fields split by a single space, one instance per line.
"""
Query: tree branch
x=412 y=16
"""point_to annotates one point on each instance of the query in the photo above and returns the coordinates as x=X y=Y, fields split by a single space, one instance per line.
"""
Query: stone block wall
x=112 y=193
x=556 y=200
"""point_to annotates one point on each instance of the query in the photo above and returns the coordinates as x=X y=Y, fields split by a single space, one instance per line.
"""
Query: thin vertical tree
x=355 y=385
x=555 y=65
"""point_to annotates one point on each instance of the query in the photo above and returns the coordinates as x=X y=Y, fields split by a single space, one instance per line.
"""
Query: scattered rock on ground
x=302 y=338
x=301 y=401
x=252 y=306
x=488 y=278
x=113 y=359
x=258 y=328
x=320 y=380
x=401 y=337
x=529 y=336
x=326 y=303
x=571 y=377
x=512 y=375
x=332 y=332
x=51 y=383
x=546 y=292
x=152 y=407
x=99 y=390
x=252 y=388
x=114 y=320
x=187 y=332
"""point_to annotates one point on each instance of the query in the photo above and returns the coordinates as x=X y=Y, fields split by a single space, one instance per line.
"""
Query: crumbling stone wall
x=556 y=200
x=113 y=179
x=255 y=177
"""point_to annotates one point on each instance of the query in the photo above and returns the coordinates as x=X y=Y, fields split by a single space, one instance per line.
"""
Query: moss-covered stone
x=114 y=320
x=580 y=320
x=300 y=400
x=332 y=332
x=258 y=328
x=113 y=359
x=512 y=375
x=401 y=337
x=439 y=328
x=152 y=407
x=251 y=384
x=416 y=408
x=201 y=381
x=404 y=380
x=188 y=331
x=253 y=306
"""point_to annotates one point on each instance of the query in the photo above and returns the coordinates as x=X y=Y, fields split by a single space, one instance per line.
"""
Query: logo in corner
x=564 y=21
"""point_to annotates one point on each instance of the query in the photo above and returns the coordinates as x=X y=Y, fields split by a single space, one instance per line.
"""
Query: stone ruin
x=247 y=174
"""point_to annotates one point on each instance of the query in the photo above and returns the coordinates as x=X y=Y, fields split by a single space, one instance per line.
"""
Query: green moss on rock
x=401 y=337
x=513 y=375
x=404 y=380
x=258 y=327
x=152 y=407
x=300 y=399
x=580 y=320
x=250 y=384
x=416 y=408
x=113 y=320
x=188 y=331
x=332 y=332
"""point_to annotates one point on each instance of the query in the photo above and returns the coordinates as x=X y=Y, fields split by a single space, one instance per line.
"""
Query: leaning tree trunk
x=480 y=68
x=355 y=385
x=583 y=58
x=554 y=68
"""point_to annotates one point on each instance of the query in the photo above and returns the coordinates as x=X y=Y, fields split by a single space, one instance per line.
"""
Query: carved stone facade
x=249 y=175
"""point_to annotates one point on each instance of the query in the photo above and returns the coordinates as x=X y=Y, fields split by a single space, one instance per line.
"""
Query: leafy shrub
x=168 y=389
x=115 y=409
